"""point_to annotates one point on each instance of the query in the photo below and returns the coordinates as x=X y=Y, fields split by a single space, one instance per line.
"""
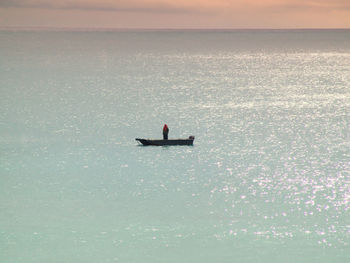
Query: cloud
x=183 y=6
x=105 y=5
x=310 y=5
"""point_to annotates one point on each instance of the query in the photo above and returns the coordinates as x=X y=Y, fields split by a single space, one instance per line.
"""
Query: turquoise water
x=268 y=177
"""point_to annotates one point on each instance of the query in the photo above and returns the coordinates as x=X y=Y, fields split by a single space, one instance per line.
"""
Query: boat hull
x=166 y=142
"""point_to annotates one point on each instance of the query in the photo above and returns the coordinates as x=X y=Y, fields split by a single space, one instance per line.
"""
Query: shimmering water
x=268 y=177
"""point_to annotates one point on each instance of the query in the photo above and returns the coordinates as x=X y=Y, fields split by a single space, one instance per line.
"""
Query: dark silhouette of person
x=165 y=132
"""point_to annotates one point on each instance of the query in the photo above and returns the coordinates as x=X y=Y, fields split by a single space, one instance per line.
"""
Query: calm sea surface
x=268 y=177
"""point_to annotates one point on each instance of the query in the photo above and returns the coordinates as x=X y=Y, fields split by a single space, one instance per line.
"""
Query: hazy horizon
x=201 y=14
x=44 y=28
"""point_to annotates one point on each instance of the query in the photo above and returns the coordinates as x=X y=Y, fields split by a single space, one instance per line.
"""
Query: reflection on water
x=267 y=177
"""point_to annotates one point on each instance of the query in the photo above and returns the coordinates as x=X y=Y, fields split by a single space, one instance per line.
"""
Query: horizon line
x=116 y=29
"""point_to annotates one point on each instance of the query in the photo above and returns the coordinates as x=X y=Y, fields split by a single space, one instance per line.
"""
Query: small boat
x=188 y=141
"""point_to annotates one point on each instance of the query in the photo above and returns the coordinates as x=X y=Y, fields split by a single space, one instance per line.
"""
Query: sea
x=267 y=179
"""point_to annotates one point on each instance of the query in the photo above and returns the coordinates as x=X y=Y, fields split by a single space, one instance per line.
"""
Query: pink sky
x=176 y=14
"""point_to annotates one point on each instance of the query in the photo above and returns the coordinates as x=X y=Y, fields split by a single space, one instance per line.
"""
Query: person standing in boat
x=165 y=132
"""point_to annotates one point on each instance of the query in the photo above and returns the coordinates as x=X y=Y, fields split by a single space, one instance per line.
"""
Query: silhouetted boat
x=188 y=141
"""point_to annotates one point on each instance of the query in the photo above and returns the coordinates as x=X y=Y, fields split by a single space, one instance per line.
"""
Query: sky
x=175 y=14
